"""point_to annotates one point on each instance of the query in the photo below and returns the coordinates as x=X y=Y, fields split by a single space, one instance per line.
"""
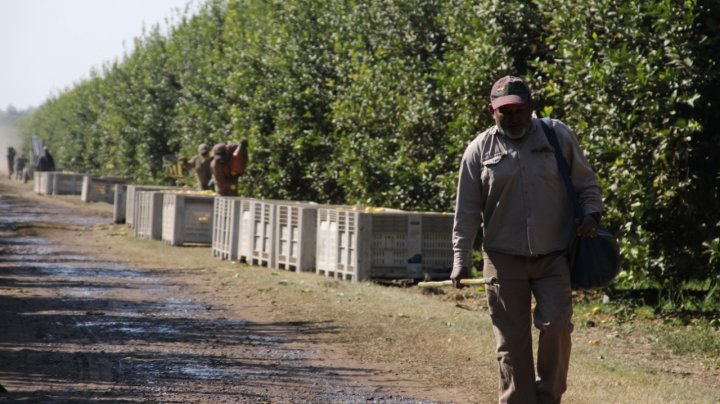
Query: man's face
x=513 y=120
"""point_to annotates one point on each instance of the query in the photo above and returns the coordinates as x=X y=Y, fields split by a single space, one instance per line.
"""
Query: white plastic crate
x=148 y=214
x=130 y=199
x=295 y=236
x=187 y=218
x=119 y=203
x=437 y=250
x=257 y=242
x=226 y=227
x=245 y=236
x=99 y=189
x=360 y=245
x=42 y=182
x=67 y=183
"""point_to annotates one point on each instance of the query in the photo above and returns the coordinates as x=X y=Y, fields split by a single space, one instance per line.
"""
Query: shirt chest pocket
x=496 y=168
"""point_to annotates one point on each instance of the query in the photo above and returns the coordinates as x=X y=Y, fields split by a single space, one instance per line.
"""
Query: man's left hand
x=588 y=227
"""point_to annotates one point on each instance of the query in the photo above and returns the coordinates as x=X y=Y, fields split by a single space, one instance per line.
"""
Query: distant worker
x=201 y=164
x=46 y=162
x=11 y=161
x=228 y=164
x=20 y=164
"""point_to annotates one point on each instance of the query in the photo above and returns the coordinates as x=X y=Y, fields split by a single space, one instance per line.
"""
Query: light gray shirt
x=515 y=190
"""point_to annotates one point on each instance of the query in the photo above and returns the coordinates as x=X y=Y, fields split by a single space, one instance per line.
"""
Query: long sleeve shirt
x=225 y=183
x=515 y=190
x=201 y=165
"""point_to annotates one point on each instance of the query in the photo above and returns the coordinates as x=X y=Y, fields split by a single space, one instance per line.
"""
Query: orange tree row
x=347 y=101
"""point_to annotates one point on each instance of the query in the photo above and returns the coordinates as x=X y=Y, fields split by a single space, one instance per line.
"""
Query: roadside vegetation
x=372 y=103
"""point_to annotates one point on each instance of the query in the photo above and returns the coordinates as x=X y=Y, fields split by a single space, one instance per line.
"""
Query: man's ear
x=490 y=108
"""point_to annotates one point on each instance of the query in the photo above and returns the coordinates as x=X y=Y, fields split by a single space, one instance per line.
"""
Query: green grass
x=690 y=328
x=701 y=340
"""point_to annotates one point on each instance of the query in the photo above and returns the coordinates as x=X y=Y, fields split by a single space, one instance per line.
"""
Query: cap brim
x=508 y=100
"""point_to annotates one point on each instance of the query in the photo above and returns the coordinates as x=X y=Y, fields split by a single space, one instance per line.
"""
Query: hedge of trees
x=372 y=102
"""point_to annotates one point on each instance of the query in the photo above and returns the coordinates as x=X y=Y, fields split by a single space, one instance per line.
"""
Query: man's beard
x=513 y=133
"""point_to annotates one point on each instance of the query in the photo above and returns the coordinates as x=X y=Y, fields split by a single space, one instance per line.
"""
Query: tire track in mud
x=77 y=329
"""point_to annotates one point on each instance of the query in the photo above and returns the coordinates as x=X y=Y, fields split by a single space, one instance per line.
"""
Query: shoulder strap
x=563 y=168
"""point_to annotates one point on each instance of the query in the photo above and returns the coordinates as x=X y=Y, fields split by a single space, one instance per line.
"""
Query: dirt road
x=78 y=328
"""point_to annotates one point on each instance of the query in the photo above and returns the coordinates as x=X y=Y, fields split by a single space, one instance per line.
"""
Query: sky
x=47 y=45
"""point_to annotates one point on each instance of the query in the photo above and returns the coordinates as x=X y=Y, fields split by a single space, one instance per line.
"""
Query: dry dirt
x=90 y=313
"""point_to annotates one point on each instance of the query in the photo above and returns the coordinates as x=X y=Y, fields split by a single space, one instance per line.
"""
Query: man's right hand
x=459 y=273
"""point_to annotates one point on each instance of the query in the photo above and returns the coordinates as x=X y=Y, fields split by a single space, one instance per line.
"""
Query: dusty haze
x=9 y=135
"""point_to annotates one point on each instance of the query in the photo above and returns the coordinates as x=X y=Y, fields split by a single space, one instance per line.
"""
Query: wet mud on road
x=75 y=328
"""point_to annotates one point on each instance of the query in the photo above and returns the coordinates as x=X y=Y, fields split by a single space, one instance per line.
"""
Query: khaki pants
x=547 y=278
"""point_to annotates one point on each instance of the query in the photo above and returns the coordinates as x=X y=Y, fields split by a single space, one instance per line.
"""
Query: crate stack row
x=275 y=234
x=171 y=214
x=89 y=188
x=341 y=242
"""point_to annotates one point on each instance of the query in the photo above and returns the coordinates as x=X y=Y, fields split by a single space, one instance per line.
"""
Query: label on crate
x=198 y=223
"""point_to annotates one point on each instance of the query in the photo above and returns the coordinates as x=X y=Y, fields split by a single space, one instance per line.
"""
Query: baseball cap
x=509 y=90
x=219 y=148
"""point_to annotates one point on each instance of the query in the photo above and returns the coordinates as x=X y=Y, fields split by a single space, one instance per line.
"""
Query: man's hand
x=457 y=274
x=588 y=227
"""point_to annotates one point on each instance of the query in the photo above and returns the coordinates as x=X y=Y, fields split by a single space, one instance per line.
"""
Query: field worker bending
x=201 y=164
x=509 y=182
x=228 y=164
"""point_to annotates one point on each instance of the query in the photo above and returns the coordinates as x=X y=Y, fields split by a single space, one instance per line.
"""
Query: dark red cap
x=509 y=90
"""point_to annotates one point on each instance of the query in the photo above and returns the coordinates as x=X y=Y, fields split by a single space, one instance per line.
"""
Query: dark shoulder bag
x=594 y=261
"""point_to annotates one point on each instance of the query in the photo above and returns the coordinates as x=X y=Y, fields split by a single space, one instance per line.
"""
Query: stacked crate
x=99 y=189
x=295 y=235
x=245 y=235
x=257 y=240
x=187 y=218
x=130 y=199
x=437 y=249
x=226 y=227
x=67 y=183
x=119 y=203
x=42 y=182
x=359 y=245
x=147 y=214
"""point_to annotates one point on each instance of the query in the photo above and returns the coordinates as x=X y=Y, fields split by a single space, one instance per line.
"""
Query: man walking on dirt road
x=509 y=182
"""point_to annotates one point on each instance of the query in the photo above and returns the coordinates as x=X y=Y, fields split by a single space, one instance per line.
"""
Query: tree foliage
x=632 y=85
x=347 y=101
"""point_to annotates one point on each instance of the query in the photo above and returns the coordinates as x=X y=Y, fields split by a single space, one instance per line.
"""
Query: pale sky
x=47 y=45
